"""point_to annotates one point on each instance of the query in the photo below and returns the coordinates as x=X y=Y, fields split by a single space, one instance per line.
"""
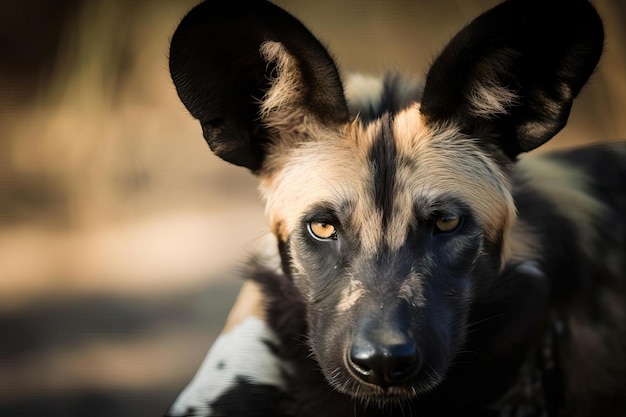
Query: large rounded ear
x=514 y=71
x=230 y=59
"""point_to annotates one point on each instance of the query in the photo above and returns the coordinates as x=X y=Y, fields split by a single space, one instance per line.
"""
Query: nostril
x=403 y=362
x=361 y=360
x=361 y=368
x=399 y=369
x=402 y=371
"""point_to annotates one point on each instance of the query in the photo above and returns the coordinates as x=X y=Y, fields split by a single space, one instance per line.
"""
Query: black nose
x=384 y=364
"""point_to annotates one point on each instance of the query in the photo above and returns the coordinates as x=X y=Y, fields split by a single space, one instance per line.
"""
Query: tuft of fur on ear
x=285 y=95
x=236 y=62
x=515 y=70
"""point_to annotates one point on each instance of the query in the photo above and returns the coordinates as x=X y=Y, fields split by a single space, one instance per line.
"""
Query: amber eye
x=322 y=231
x=447 y=223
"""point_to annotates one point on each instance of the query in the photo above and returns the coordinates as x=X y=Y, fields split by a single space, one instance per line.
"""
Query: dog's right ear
x=248 y=71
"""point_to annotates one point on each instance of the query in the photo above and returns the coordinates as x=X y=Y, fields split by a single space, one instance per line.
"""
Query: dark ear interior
x=515 y=70
x=221 y=77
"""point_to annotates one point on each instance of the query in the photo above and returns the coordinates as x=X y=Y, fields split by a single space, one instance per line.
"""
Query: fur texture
x=423 y=266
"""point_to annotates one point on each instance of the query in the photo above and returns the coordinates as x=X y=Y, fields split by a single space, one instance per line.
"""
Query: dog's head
x=389 y=226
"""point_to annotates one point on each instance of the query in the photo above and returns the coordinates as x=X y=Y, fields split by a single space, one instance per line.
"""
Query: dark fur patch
x=383 y=159
x=260 y=401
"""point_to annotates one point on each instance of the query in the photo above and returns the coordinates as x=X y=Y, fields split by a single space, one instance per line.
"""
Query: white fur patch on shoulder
x=242 y=352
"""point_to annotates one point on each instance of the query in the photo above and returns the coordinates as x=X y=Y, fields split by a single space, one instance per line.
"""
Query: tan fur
x=249 y=303
x=490 y=99
x=445 y=162
x=310 y=163
x=286 y=86
x=331 y=169
x=489 y=96
x=412 y=290
x=350 y=295
x=282 y=108
x=334 y=169
x=523 y=243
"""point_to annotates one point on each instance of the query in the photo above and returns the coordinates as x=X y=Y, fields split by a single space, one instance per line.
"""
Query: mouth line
x=365 y=391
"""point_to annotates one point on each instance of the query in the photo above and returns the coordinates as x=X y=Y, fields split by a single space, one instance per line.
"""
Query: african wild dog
x=421 y=268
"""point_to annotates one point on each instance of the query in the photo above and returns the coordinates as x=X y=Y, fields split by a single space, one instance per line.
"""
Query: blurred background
x=120 y=233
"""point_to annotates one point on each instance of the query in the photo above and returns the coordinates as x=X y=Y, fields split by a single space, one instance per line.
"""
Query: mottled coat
x=423 y=267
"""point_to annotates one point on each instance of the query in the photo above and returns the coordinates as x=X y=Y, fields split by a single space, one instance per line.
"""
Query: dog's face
x=389 y=226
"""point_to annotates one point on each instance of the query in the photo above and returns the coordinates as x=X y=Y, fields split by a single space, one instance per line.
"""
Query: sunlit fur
x=334 y=169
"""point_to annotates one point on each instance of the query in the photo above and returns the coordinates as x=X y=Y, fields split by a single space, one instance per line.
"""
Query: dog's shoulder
x=571 y=224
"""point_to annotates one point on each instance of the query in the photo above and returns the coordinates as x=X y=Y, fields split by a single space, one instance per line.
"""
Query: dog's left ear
x=513 y=73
